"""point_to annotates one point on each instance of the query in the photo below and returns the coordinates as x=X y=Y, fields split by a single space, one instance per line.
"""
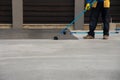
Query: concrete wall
x=79 y=7
x=17 y=13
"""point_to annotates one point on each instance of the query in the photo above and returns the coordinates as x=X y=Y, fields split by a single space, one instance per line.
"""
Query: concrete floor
x=43 y=59
x=33 y=34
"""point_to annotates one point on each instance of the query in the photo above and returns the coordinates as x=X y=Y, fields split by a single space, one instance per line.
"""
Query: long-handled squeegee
x=63 y=31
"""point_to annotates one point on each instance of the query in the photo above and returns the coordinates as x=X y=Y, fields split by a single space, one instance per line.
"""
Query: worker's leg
x=105 y=19
x=95 y=12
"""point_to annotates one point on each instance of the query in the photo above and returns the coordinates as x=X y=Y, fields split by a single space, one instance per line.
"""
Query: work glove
x=87 y=7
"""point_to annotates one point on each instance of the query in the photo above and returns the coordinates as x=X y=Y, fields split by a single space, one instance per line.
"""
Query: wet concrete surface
x=35 y=34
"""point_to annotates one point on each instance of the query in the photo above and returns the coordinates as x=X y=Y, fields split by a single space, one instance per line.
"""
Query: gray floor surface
x=34 y=34
x=43 y=59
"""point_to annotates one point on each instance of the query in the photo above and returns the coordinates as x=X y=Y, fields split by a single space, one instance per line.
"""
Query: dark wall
x=5 y=11
x=114 y=12
x=48 y=11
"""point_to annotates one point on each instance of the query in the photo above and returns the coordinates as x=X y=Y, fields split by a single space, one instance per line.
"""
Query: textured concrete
x=34 y=34
x=32 y=59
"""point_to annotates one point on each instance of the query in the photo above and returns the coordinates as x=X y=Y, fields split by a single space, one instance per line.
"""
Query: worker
x=98 y=7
